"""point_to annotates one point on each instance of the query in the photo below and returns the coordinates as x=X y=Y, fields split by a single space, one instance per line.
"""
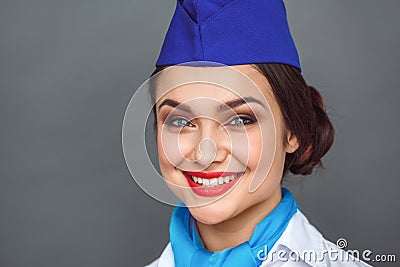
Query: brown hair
x=303 y=114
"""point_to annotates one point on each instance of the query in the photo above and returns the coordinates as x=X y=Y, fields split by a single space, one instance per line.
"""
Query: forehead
x=221 y=83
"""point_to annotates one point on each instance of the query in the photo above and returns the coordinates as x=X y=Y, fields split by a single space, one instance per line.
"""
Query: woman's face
x=222 y=150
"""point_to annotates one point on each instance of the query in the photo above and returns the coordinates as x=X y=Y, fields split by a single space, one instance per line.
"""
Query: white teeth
x=215 y=181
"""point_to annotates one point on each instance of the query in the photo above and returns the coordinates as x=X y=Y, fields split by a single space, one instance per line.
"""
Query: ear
x=292 y=143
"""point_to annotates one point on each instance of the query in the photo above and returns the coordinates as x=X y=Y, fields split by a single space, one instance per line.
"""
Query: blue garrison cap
x=230 y=32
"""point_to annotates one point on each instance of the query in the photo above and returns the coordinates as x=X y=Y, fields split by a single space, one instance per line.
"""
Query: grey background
x=67 y=72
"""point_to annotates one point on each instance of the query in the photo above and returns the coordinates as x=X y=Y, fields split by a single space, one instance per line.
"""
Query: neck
x=237 y=230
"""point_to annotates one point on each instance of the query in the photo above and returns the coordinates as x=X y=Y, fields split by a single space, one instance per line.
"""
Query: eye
x=241 y=121
x=179 y=122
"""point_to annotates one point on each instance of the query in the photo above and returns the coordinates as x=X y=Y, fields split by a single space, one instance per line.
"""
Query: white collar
x=300 y=237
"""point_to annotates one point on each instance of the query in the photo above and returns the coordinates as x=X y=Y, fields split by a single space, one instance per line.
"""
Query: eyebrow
x=226 y=106
x=239 y=102
x=174 y=104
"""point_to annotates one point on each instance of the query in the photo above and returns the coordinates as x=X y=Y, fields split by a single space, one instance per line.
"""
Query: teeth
x=215 y=181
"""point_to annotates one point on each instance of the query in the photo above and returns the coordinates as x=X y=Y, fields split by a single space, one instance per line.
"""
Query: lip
x=210 y=175
x=205 y=191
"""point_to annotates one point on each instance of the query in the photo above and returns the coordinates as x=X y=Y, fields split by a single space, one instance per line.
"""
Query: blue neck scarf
x=189 y=249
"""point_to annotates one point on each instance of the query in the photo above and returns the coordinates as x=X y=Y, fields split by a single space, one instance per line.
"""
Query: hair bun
x=321 y=140
x=316 y=97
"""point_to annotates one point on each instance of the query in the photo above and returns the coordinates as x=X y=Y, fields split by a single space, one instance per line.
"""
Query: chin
x=213 y=213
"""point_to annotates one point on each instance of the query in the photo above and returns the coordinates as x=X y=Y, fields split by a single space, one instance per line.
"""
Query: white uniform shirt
x=301 y=244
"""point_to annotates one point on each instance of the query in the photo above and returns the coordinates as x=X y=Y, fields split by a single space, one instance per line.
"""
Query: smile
x=211 y=183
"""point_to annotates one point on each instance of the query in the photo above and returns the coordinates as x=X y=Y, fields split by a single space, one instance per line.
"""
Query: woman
x=233 y=116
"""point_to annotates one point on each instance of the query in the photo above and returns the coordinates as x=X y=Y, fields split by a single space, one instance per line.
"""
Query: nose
x=206 y=152
x=212 y=144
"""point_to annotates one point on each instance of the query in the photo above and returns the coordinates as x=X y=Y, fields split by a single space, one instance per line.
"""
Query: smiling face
x=221 y=151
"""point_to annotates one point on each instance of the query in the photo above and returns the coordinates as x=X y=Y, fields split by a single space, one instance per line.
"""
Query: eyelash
x=245 y=120
x=248 y=119
x=171 y=121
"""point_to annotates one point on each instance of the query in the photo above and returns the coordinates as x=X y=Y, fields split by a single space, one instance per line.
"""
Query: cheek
x=172 y=147
x=277 y=161
x=263 y=153
x=164 y=153
x=161 y=155
x=255 y=148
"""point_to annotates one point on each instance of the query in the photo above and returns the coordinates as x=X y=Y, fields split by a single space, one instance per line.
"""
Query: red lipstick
x=211 y=184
